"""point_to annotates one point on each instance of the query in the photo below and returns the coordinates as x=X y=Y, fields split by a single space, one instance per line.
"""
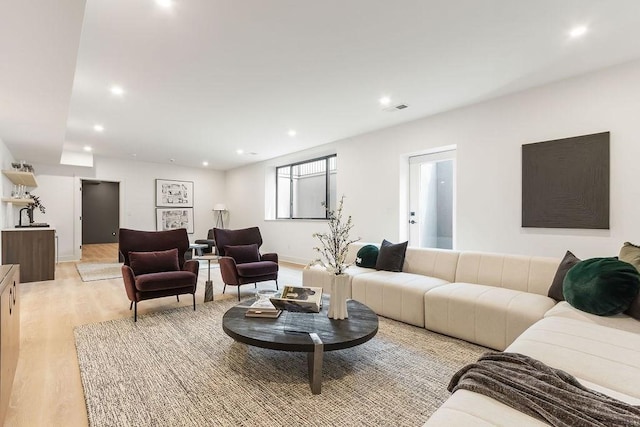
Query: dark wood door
x=100 y=211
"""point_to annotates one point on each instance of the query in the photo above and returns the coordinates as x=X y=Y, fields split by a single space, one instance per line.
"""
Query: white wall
x=59 y=192
x=6 y=215
x=488 y=136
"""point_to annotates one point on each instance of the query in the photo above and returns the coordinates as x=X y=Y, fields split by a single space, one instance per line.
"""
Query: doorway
x=100 y=219
x=432 y=200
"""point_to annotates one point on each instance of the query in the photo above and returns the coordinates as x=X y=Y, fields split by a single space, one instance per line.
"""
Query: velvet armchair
x=154 y=265
x=240 y=259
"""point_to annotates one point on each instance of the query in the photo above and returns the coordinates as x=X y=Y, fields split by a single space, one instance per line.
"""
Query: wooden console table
x=9 y=332
x=34 y=249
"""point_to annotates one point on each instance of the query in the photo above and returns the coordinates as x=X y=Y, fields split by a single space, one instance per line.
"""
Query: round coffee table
x=313 y=333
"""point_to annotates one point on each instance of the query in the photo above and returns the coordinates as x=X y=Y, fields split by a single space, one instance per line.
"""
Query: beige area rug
x=92 y=271
x=178 y=368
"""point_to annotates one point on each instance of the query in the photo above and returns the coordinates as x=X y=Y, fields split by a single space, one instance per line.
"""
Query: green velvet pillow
x=367 y=256
x=602 y=286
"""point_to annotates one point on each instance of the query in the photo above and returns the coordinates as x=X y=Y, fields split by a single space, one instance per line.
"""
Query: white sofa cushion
x=485 y=315
x=399 y=296
x=605 y=356
x=619 y=321
x=438 y=263
x=466 y=408
x=520 y=273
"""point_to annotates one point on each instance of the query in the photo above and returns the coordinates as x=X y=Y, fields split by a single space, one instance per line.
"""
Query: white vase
x=338 y=301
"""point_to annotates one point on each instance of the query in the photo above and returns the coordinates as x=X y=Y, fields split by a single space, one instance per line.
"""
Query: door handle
x=412 y=222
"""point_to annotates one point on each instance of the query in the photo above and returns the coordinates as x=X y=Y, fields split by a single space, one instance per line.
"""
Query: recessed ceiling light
x=172 y=160
x=240 y=151
x=134 y=155
x=385 y=100
x=578 y=31
x=205 y=163
x=117 y=90
x=87 y=148
x=164 y=3
x=98 y=128
x=292 y=133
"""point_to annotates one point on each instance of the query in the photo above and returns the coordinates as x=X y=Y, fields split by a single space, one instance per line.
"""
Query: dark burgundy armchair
x=154 y=265
x=240 y=259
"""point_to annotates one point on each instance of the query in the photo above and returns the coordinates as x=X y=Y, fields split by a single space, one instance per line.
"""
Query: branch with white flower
x=334 y=245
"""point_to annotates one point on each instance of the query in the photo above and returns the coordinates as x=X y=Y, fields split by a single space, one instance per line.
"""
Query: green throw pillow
x=367 y=256
x=602 y=286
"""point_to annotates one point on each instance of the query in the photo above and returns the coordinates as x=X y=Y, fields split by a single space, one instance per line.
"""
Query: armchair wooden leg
x=238 y=292
x=276 y=285
x=225 y=288
x=178 y=298
x=131 y=305
x=255 y=285
x=135 y=311
x=194 y=301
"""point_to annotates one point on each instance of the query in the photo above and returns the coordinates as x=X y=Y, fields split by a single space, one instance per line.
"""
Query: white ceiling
x=208 y=77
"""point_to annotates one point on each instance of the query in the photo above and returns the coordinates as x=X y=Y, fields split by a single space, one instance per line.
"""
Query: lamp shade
x=219 y=207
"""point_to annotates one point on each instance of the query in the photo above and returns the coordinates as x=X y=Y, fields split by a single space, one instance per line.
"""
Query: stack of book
x=300 y=299
x=263 y=308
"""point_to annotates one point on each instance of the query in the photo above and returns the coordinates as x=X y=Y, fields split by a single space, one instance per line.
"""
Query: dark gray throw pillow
x=555 y=291
x=631 y=253
x=391 y=256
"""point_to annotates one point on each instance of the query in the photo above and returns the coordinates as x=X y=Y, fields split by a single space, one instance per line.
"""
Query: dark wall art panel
x=565 y=183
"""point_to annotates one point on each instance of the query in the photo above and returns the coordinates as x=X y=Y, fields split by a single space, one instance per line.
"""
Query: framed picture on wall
x=171 y=193
x=172 y=218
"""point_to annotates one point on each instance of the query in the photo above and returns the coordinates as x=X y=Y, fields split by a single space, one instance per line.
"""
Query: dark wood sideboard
x=9 y=332
x=33 y=249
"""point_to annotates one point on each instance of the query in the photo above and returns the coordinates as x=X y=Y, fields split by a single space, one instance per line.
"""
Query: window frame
x=326 y=193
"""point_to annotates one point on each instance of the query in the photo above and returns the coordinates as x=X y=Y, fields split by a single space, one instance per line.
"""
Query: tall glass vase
x=338 y=300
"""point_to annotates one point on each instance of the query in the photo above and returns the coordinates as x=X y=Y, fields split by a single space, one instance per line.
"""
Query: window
x=304 y=189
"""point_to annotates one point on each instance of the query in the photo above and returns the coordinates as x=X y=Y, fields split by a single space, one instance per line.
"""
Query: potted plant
x=333 y=249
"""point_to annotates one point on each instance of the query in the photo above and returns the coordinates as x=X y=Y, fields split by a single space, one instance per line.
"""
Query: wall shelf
x=17 y=201
x=21 y=178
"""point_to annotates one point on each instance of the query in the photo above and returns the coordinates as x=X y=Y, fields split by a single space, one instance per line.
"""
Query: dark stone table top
x=290 y=331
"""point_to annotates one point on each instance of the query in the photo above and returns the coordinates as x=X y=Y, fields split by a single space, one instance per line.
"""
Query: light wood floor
x=101 y=252
x=47 y=390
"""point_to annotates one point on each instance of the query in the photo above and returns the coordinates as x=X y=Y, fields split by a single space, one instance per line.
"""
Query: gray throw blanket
x=545 y=393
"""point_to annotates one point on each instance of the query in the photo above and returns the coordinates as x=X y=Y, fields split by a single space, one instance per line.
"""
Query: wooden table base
x=314 y=361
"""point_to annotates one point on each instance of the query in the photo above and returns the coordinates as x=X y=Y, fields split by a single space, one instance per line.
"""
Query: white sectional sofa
x=488 y=299
x=499 y=301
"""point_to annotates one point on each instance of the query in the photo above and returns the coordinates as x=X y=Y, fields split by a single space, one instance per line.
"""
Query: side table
x=208 y=287
x=196 y=249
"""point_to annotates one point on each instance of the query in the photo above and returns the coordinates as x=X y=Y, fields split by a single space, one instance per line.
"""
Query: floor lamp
x=218 y=210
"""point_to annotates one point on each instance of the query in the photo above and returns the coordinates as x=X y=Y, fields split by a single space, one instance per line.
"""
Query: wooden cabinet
x=34 y=249
x=9 y=332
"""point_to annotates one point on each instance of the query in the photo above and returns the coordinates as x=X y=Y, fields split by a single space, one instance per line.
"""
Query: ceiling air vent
x=396 y=107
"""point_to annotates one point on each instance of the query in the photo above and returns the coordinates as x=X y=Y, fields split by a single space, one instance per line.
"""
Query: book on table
x=263 y=308
x=298 y=298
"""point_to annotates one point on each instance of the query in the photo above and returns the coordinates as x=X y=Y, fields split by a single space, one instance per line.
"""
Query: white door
x=432 y=200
